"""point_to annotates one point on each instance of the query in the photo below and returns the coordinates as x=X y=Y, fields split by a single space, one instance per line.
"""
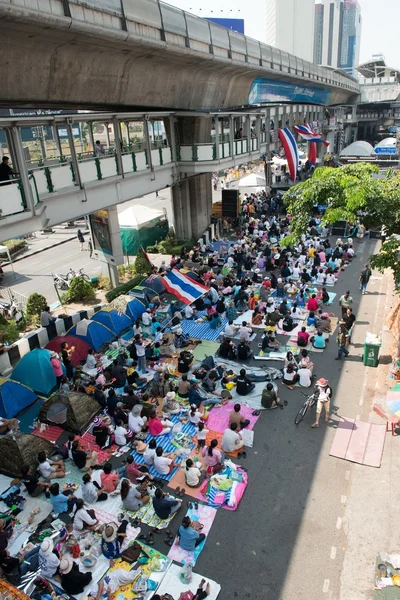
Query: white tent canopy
x=358 y=148
x=137 y=215
x=252 y=180
x=389 y=142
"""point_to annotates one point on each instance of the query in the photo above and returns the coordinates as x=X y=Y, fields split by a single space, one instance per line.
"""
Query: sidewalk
x=44 y=241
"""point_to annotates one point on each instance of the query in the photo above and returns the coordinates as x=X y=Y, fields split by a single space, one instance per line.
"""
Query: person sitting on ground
x=269 y=342
x=34 y=487
x=284 y=308
x=227 y=349
x=188 y=538
x=150 y=453
x=109 y=480
x=158 y=426
x=73 y=581
x=302 y=337
x=290 y=359
x=214 y=458
x=324 y=323
x=183 y=387
x=269 y=397
x=91 y=361
x=100 y=396
x=210 y=383
x=230 y=330
x=231 y=440
x=244 y=351
x=245 y=331
x=91 y=491
x=194 y=475
x=243 y=384
x=113 y=537
x=215 y=322
x=120 y=433
x=311 y=319
x=304 y=357
x=195 y=416
x=180 y=341
x=184 y=361
x=164 y=506
x=305 y=375
x=235 y=416
x=290 y=377
x=62 y=502
x=50 y=469
x=164 y=463
x=132 y=497
x=257 y=317
x=84 y=518
x=170 y=405
x=45 y=317
x=136 y=422
x=83 y=460
x=49 y=558
x=319 y=340
x=272 y=318
x=135 y=471
x=312 y=304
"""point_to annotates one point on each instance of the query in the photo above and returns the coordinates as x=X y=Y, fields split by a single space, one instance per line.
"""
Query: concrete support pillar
x=258 y=131
x=170 y=129
x=91 y=136
x=217 y=138
x=74 y=157
x=231 y=136
x=22 y=168
x=268 y=128
x=57 y=139
x=276 y=127
x=192 y=205
x=147 y=143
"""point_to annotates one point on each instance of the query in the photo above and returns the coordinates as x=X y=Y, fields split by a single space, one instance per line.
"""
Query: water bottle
x=187 y=573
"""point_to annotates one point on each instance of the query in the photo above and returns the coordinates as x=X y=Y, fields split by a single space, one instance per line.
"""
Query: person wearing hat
x=170 y=405
x=73 y=581
x=49 y=559
x=101 y=431
x=180 y=340
x=112 y=539
x=146 y=317
x=136 y=422
x=324 y=394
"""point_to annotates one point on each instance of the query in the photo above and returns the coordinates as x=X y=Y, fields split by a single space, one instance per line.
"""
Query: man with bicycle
x=323 y=395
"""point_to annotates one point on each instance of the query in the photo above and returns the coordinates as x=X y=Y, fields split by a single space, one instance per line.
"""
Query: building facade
x=337 y=34
x=290 y=26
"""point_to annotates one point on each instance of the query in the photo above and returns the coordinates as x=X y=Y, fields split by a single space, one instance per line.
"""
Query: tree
x=35 y=305
x=142 y=264
x=351 y=193
x=80 y=290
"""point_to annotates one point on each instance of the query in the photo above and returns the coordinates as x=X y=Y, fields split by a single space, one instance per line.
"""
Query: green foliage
x=103 y=282
x=124 y=288
x=80 y=290
x=170 y=245
x=9 y=332
x=35 y=305
x=141 y=264
x=347 y=191
x=13 y=246
x=127 y=271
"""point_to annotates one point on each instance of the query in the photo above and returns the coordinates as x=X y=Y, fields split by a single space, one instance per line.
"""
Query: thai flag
x=184 y=288
x=312 y=153
x=307 y=133
x=291 y=151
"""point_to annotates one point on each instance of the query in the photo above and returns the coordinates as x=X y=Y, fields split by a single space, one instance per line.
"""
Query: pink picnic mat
x=88 y=442
x=223 y=499
x=204 y=514
x=359 y=442
x=218 y=419
x=51 y=434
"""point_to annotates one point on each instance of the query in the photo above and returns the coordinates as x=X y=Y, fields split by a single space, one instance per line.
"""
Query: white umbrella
x=252 y=180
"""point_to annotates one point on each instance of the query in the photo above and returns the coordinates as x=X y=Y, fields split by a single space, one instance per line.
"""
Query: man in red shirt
x=303 y=337
x=312 y=303
x=267 y=283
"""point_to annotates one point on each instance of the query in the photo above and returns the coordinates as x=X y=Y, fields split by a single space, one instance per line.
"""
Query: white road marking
x=325 y=587
x=333 y=552
x=343 y=499
x=339 y=523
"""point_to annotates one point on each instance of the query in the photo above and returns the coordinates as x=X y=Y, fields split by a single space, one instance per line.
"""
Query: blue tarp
x=96 y=334
x=14 y=397
x=135 y=308
x=35 y=371
x=113 y=319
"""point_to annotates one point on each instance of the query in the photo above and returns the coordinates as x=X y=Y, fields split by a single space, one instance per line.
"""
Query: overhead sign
x=388 y=150
x=269 y=90
x=231 y=24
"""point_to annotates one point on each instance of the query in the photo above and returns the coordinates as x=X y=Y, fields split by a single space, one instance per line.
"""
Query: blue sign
x=232 y=24
x=269 y=90
x=388 y=150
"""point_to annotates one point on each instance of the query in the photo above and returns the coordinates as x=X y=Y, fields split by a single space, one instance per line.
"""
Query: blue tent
x=95 y=334
x=154 y=282
x=135 y=308
x=113 y=319
x=35 y=371
x=14 y=397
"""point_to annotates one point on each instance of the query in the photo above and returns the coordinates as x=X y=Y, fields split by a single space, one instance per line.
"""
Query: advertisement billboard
x=269 y=90
x=232 y=24
x=99 y=224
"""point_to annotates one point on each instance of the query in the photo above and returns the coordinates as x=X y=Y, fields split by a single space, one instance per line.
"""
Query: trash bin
x=371 y=354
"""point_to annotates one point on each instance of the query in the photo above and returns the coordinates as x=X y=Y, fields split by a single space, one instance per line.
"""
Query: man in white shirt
x=120 y=434
x=45 y=317
x=188 y=312
x=245 y=332
x=48 y=561
x=90 y=360
x=231 y=440
x=305 y=376
x=164 y=463
x=230 y=329
x=146 y=318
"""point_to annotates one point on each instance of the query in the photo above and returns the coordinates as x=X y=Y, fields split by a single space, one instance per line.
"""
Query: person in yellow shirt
x=312 y=252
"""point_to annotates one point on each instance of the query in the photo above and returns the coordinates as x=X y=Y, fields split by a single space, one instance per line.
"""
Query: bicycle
x=308 y=403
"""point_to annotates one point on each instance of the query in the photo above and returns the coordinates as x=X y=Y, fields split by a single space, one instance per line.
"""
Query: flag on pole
x=312 y=153
x=184 y=288
x=291 y=151
x=307 y=133
x=146 y=255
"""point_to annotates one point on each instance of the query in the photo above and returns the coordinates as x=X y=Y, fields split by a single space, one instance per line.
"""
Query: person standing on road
x=90 y=247
x=80 y=237
x=365 y=276
x=345 y=302
x=342 y=339
x=324 y=393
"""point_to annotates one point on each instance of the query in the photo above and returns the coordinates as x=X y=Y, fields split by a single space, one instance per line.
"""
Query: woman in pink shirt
x=157 y=426
x=56 y=365
x=214 y=458
x=312 y=303
x=109 y=480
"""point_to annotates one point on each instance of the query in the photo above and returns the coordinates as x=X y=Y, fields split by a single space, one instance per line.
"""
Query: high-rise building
x=337 y=34
x=290 y=26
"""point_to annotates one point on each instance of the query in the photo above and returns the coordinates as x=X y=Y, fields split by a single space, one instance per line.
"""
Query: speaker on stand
x=230 y=203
